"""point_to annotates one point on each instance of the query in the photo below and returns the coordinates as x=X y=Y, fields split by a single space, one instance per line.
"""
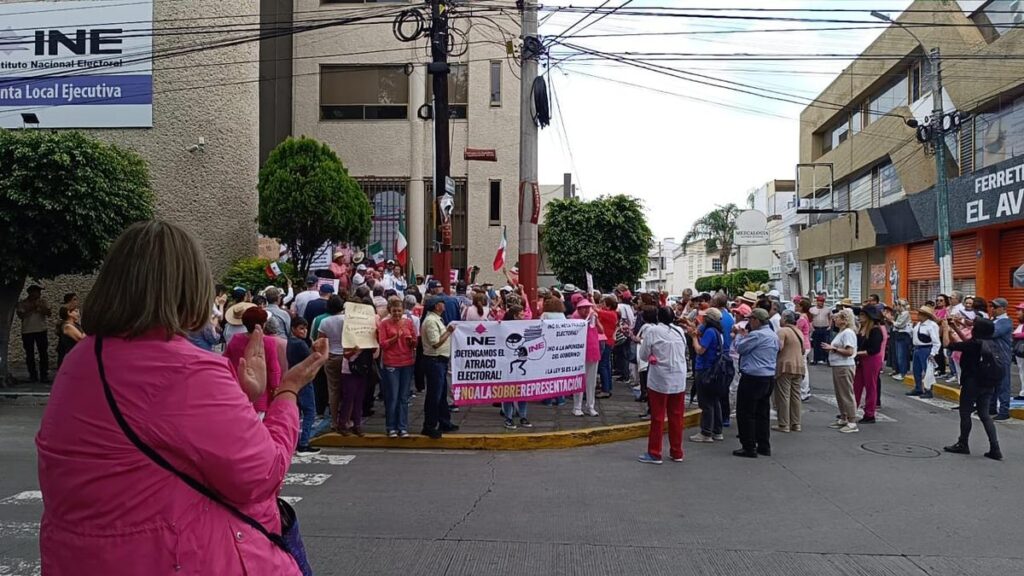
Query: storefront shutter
x=921 y=262
x=1011 y=256
x=965 y=257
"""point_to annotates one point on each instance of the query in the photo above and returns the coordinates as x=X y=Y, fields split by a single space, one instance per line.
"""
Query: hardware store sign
x=988 y=196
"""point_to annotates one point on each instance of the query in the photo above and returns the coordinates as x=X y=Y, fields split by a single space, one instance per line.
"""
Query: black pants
x=753 y=412
x=32 y=342
x=973 y=398
x=435 y=407
x=818 y=336
x=710 y=404
x=419 y=375
x=320 y=392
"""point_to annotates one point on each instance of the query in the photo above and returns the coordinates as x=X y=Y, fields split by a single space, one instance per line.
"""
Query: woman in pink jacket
x=110 y=509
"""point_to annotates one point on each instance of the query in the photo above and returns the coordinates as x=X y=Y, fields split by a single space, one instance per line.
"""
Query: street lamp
x=938 y=136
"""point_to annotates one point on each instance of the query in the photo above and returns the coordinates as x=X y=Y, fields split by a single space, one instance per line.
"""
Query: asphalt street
x=884 y=501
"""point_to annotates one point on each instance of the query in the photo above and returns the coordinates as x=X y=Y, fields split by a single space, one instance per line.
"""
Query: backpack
x=722 y=371
x=991 y=364
x=362 y=364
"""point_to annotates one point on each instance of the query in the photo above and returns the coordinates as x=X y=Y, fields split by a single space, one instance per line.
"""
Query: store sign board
x=751 y=229
x=76 y=64
x=992 y=195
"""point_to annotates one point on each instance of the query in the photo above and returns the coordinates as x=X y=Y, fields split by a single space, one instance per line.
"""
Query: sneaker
x=796 y=428
x=805 y=398
x=603 y=395
x=453 y=408
x=674 y=459
x=849 y=428
x=434 y=434
x=646 y=415
x=867 y=420
x=1001 y=417
x=914 y=393
x=392 y=433
x=958 y=448
x=784 y=430
x=648 y=459
x=592 y=413
x=577 y=412
x=927 y=394
x=307 y=451
x=525 y=423
x=698 y=437
x=952 y=378
x=510 y=424
x=403 y=434
x=718 y=437
x=838 y=424
x=994 y=455
x=744 y=454
x=899 y=377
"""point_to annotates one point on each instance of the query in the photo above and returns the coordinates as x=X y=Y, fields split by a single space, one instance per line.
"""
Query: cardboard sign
x=360 y=330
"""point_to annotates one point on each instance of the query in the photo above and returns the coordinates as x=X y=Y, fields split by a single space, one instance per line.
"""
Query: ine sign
x=751 y=229
x=77 y=64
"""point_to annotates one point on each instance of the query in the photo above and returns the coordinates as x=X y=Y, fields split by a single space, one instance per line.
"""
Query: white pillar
x=416 y=215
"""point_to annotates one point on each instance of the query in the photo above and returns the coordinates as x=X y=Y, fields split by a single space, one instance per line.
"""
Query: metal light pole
x=938 y=134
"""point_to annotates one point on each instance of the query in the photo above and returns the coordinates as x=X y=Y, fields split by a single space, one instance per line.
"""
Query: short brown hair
x=154 y=276
x=554 y=305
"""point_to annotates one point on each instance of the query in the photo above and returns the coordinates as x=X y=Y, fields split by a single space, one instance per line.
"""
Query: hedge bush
x=251 y=273
x=733 y=282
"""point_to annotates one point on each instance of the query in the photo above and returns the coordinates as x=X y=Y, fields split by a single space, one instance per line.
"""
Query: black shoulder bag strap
x=163 y=463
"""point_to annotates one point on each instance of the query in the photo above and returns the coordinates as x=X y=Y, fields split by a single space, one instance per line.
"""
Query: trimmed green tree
x=64 y=198
x=307 y=198
x=607 y=237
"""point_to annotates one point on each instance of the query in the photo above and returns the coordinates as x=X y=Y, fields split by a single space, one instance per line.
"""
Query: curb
x=952 y=393
x=507 y=442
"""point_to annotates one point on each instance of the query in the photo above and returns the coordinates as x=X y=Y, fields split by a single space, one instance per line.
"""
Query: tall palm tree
x=716 y=229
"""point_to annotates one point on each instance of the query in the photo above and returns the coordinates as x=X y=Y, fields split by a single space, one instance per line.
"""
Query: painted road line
x=29 y=497
x=293 y=500
x=296 y=479
x=330 y=459
x=17 y=567
x=831 y=401
x=18 y=530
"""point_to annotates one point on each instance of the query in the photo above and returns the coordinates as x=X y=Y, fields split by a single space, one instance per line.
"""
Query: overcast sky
x=656 y=140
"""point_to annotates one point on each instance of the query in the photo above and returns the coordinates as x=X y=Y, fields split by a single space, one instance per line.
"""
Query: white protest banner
x=520 y=360
x=590 y=284
x=360 y=329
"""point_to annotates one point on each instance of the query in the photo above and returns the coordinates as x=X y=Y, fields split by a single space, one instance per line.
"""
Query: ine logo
x=81 y=42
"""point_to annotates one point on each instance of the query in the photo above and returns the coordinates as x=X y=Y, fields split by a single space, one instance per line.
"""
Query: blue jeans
x=307 y=411
x=901 y=347
x=435 y=406
x=508 y=407
x=604 y=368
x=395 y=382
x=1001 y=397
x=921 y=354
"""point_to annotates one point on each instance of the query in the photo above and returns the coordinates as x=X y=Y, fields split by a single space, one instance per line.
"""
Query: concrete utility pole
x=945 y=251
x=439 y=68
x=529 y=191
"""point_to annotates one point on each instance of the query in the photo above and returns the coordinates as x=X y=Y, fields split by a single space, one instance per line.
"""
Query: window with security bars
x=922 y=291
x=387 y=198
x=460 y=226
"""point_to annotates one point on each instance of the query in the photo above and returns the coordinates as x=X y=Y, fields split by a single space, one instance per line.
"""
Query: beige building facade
x=859 y=156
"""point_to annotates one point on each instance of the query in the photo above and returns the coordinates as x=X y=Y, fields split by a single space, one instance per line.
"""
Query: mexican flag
x=273 y=270
x=376 y=252
x=401 y=246
x=499 y=258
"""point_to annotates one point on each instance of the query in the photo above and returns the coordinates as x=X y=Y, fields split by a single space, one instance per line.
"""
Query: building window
x=836 y=135
x=716 y=264
x=999 y=133
x=885 y=101
x=458 y=91
x=495 y=83
x=363 y=93
x=1003 y=16
x=916 y=78
x=888 y=184
x=860 y=193
x=494 y=208
x=856 y=122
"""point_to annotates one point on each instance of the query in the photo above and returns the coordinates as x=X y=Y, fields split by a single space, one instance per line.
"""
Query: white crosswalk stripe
x=330 y=459
x=18 y=530
x=293 y=500
x=17 y=567
x=28 y=497
x=831 y=401
x=302 y=479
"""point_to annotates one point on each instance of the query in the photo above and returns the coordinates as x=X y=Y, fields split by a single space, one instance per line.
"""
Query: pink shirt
x=111 y=510
x=401 y=352
x=804 y=325
x=593 y=339
x=234 y=352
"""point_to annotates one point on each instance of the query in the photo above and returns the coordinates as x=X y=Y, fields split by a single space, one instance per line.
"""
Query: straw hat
x=749 y=297
x=234 y=314
x=927 y=311
x=847 y=302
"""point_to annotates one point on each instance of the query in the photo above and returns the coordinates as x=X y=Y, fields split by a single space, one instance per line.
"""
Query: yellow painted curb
x=531 y=441
x=952 y=394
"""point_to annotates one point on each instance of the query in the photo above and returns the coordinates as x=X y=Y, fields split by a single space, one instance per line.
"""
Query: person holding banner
x=397 y=338
x=508 y=409
x=664 y=347
x=437 y=350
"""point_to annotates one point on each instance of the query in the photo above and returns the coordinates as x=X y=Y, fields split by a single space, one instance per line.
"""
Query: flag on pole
x=376 y=252
x=273 y=270
x=499 y=258
x=401 y=245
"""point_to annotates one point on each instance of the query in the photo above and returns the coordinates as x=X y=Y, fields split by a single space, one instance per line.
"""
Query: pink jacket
x=110 y=510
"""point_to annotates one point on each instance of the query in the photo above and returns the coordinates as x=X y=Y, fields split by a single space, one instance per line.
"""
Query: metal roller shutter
x=965 y=257
x=1011 y=256
x=921 y=262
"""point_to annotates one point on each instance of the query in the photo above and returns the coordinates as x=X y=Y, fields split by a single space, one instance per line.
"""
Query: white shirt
x=668 y=345
x=957 y=310
x=929 y=328
x=303 y=298
x=641 y=361
x=776 y=322
x=626 y=313
x=845 y=339
x=332 y=328
x=388 y=281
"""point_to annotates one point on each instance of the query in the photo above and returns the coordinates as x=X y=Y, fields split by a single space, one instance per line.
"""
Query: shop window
x=922 y=291
x=835 y=278
x=363 y=92
x=999 y=133
x=458 y=91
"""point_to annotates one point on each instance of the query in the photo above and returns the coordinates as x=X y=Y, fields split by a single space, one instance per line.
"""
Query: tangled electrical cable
x=412 y=16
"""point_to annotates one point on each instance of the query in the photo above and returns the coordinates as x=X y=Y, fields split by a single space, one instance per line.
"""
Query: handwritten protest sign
x=360 y=326
x=521 y=360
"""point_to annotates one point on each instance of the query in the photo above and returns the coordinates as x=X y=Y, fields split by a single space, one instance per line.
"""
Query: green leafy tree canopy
x=251 y=273
x=307 y=198
x=607 y=237
x=716 y=229
x=64 y=198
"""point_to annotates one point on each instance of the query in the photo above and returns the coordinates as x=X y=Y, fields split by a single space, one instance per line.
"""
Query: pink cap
x=1020 y=306
x=743 y=310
